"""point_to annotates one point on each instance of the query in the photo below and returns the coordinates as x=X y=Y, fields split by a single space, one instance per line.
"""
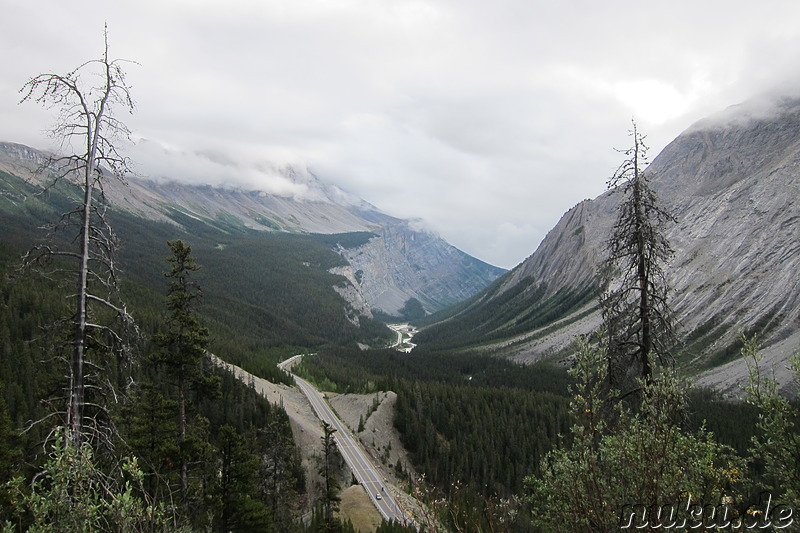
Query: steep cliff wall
x=403 y=262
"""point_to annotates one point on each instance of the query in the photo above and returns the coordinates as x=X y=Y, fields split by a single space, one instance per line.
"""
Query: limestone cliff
x=403 y=261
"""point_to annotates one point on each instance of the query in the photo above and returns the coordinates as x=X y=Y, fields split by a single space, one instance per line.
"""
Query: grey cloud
x=485 y=119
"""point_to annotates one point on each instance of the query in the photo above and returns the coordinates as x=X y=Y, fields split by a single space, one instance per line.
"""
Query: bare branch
x=86 y=115
x=119 y=310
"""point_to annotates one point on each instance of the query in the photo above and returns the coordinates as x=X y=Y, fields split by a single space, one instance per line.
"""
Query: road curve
x=357 y=459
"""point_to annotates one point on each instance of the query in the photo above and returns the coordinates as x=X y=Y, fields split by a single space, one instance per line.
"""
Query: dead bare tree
x=87 y=99
x=636 y=315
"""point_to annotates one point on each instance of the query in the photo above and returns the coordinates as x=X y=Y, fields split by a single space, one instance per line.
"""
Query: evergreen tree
x=240 y=508
x=320 y=524
x=634 y=301
x=280 y=473
x=9 y=454
x=150 y=426
x=393 y=527
x=627 y=461
x=183 y=351
x=330 y=498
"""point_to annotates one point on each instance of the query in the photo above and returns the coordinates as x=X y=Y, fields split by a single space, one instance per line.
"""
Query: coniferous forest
x=250 y=308
x=478 y=427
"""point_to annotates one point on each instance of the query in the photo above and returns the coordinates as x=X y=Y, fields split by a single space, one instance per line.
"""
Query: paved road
x=405 y=333
x=355 y=456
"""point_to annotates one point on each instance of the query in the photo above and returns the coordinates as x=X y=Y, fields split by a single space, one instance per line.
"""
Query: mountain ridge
x=402 y=262
x=732 y=181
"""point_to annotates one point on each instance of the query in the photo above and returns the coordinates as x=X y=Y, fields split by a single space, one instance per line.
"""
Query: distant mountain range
x=397 y=260
x=733 y=182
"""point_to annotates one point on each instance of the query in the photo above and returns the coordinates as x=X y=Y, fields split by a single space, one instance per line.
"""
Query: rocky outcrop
x=403 y=261
x=351 y=292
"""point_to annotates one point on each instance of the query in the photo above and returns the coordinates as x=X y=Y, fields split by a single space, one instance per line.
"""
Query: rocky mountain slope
x=398 y=262
x=733 y=182
x=403 y=259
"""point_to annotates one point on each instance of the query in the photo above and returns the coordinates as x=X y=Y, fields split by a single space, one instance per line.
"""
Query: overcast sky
x=486 y=119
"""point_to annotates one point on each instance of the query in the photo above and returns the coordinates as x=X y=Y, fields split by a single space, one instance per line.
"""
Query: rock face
x=397 y=264
x=403 y=262
x=351 y=292
x=733 y=182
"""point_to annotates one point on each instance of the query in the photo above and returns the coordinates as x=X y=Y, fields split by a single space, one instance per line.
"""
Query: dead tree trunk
x=86 y=115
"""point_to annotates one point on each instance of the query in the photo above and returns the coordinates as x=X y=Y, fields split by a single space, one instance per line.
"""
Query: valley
x=732 y=183
x=460 y=388
x=373 y=482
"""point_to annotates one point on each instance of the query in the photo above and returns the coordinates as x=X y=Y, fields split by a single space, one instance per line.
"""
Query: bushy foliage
x=619 y=463
x=73 y=495
x=777 y=444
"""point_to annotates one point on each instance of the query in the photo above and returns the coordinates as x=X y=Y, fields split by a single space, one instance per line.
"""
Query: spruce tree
x=10 y=454
x=183 y=351
x=150 y=427
x=636 y=315
x=240 y=505
x=625 y=461
x=330 y=499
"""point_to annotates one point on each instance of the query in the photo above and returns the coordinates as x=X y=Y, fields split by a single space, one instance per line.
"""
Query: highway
x=405 y=333
x=357 y=459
